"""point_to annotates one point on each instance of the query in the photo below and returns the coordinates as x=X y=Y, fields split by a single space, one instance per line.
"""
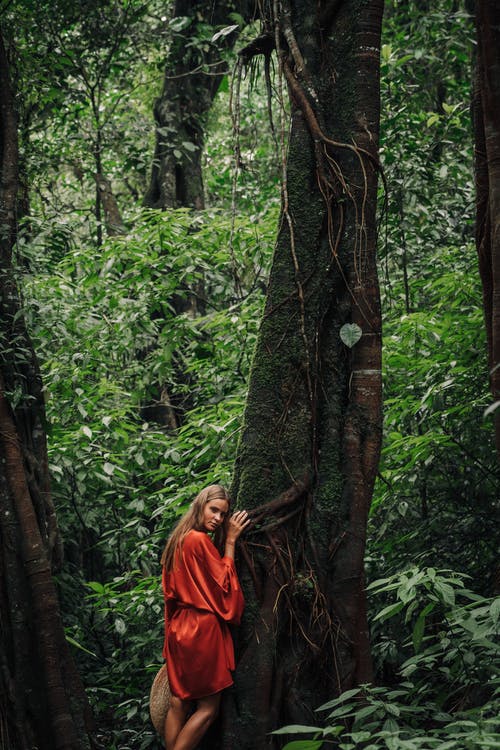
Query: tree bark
x=312 y=428
x=193 y=73
x=486 y=109
x=112 y=216
x=42 y=700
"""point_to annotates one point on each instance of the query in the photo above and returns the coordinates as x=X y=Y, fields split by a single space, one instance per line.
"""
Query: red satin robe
x=202 y=595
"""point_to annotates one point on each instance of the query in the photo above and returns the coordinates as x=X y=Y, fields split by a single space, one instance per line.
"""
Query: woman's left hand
x=238 y=522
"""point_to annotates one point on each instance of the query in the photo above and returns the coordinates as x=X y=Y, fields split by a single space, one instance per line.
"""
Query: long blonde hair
x=193 y=519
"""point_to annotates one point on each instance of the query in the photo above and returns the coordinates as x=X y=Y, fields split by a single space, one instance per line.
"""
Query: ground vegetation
x=100 y=293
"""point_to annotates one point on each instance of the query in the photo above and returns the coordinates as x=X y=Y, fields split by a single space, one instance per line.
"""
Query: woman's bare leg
x=198 y=723
x=175 y=720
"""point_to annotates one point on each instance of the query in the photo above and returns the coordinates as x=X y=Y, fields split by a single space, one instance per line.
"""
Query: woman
x=202 y=595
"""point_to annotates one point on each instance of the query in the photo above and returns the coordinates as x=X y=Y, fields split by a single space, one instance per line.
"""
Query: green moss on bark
x=304 y=412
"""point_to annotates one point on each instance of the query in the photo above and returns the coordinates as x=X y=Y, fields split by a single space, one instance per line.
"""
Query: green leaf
x=346 y=695
x=109 y=468
x=96 y=586
x=296 y=729
x=404 y=59
x=343 y=710
x=350 y=333
x=224 y=32
x=223 y=85
x=179 y=23
x=446 y=592
x=386 y=52
x=237 y=18
x=469 y=658
x=393 y=708
x=390 y=725
x=495 y=609
x=79 y=646
x=364 y=712
x=389 y=611
x=360 y=736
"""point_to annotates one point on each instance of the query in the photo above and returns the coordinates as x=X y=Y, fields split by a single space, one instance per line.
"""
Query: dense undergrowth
x=111 y=343
x=158 y=326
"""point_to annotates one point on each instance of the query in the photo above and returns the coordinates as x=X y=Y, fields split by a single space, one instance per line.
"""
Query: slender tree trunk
x=310 y=445
x=42 y=701
x=487 y=175
x=98 y=167
x=193 y=73
x=112 y=216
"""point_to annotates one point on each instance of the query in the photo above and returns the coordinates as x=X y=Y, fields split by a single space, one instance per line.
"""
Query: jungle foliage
x=115 y=349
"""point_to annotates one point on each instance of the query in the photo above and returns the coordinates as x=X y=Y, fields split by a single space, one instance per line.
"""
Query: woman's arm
x=238 y=522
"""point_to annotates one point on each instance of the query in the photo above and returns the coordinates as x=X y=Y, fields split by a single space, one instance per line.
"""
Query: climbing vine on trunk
x=310 y=444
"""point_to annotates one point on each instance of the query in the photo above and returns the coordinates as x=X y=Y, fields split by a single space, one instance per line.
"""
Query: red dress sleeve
x=213 y=577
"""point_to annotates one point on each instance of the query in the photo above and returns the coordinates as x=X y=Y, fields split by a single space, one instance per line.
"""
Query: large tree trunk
x=310 y=445
x=487 y=174
x=42 y=701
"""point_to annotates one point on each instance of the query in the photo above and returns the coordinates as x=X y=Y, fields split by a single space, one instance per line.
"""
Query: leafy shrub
x=448 y=698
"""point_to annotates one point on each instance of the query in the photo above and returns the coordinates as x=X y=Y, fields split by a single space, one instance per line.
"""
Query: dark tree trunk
x=487 y=175
x=193 y=73
x=310 y=445
x=42 y=702
x=112 y=216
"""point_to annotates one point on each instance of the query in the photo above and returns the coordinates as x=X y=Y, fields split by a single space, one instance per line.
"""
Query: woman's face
x=214 y=514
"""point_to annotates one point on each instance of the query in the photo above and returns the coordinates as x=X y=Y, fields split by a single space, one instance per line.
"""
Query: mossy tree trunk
x=309 y=449
x=42 y=702
x=193 y=73
x=487 y=175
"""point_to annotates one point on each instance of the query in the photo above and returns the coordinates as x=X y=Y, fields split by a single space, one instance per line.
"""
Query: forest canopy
x=144 y=253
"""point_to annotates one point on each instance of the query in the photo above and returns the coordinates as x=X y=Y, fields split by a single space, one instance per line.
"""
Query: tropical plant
x=448 y=693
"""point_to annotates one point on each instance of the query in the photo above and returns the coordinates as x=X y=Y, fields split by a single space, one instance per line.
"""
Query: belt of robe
x=185 y=605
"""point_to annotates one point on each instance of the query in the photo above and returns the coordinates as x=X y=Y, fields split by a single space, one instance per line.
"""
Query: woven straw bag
x=159 y=700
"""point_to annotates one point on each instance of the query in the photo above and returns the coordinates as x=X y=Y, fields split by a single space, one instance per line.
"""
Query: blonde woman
x=202 y=597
